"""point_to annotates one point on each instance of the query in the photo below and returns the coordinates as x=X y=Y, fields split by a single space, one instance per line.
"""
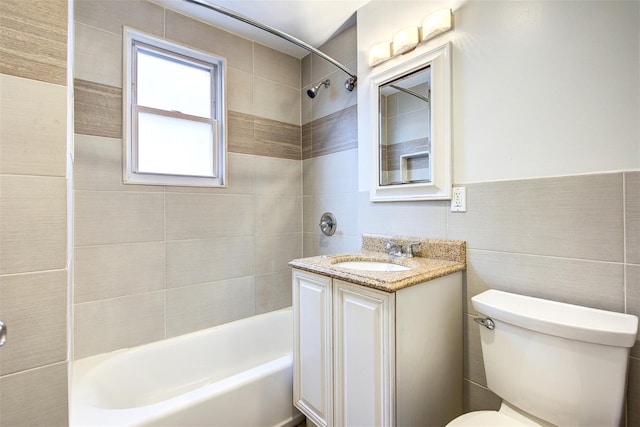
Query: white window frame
x=132 y=39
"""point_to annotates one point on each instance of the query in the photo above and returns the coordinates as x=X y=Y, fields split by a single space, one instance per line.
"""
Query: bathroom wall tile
x=34 y=39
x=240 y=133
x=236 y=50
x=318 y=244
x=305 y=70
x=107 y=217
x=333 y=173
x=241 y=171
x=632 y=216
x=35 y=398
x=277 y=139
x=202 y=216
x=343 y=205
x=97 y=55
x=478 y=398
x=336 y=97
x=209 y=304
x=278 y=177
x=111 y=15
x=277 y=66
x=574 y=281
x=97 y=109
x=632 y=278
x=274 y=252
x=33 y=127
x=341 y=47
x=239 y=91
x=192 y=262
x=273 y=291
x=111 y=324
x=33 y=305
x=276 y=101
x=426 y=219
x=275 y=215
x=307 y=148
x=473 y=361
x=633 y=394
x=110 y=271
x=34 y=223
x=336 y=132
x=572 y=217
x=306 y=106
x=98 y=165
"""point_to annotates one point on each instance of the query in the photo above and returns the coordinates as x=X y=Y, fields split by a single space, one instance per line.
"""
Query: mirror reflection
x=405 y=129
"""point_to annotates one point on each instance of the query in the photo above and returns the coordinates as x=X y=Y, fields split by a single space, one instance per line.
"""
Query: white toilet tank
x=563 y=363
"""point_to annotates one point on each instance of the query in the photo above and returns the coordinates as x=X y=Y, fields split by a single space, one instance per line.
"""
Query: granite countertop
x=433 y=258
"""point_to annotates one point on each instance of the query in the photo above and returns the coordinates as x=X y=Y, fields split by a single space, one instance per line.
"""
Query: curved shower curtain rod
x=349 y=84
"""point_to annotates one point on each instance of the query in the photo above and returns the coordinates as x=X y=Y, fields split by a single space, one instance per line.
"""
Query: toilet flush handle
x=486 y=322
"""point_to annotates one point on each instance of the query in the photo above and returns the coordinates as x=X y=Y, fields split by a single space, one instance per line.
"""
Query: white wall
x=540 y=89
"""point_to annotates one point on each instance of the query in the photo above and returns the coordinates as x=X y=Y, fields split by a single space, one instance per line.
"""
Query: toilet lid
x=485 y=419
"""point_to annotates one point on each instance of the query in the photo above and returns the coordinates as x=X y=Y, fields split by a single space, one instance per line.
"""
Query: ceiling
x=311 y=21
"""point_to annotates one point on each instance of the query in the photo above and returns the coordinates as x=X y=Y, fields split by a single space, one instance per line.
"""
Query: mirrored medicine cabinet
x=411 y=120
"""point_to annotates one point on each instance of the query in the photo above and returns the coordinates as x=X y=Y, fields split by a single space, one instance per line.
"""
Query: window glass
x=174 y=114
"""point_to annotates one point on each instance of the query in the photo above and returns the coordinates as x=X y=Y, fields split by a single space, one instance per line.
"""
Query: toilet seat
x=485 y=419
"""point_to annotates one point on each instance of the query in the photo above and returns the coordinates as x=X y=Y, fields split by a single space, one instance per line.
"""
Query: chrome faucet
x=394 y=249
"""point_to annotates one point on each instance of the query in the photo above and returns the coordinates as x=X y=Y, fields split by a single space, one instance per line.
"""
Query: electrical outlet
x=459 y=199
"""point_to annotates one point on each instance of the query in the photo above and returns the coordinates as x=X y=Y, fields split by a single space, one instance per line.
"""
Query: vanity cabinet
x=365 y=357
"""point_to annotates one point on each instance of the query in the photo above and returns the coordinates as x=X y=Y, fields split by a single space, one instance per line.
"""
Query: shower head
x=314 y=90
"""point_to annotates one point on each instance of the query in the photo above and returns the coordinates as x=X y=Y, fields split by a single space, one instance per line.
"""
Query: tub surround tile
x=563 y=217
x=632 y=216
x=319 y=244
x=335 y=132
x=36 y=397
x=34 y=223
x=198 y=216
x=97 y=109
x=277 y=139
x=276 y=66
x=97 y=55
x=278 y=177
x=343 y=205
x=111 y=217
x=98 y=166
x=307 y=148
x=192 y=262
x=336 y=98
x=273 y=291
x=273 y=253
x=34 y=40
x=275 y=101
x=341 y=47
x=34 y=307
x=239 y=91
x=33 y=127
x=111 y=15
x=277 y=215
x=210 y=304
x=111 y=271
x=240 y=134
x=332 y=173
x=111 y=324
x=236 y=50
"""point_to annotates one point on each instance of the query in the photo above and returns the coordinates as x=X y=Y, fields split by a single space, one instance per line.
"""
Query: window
x=174 y=121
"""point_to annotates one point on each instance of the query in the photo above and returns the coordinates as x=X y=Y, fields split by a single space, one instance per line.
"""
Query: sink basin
x=371 y=266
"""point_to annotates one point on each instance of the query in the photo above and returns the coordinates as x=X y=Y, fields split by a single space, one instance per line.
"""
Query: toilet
x=553 y=364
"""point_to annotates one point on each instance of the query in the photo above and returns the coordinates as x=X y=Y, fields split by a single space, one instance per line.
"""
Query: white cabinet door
x=363 y=356
x=313 y=373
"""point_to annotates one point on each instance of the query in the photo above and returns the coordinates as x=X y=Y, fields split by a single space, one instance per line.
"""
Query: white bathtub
x=236 y=374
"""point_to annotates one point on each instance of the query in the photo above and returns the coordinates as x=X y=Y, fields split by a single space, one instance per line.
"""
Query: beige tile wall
x=153 y=262
x=33 y=212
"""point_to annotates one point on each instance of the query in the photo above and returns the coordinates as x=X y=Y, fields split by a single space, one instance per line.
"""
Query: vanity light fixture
x=405 y=41
x=379 y=53
x=436 y=24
